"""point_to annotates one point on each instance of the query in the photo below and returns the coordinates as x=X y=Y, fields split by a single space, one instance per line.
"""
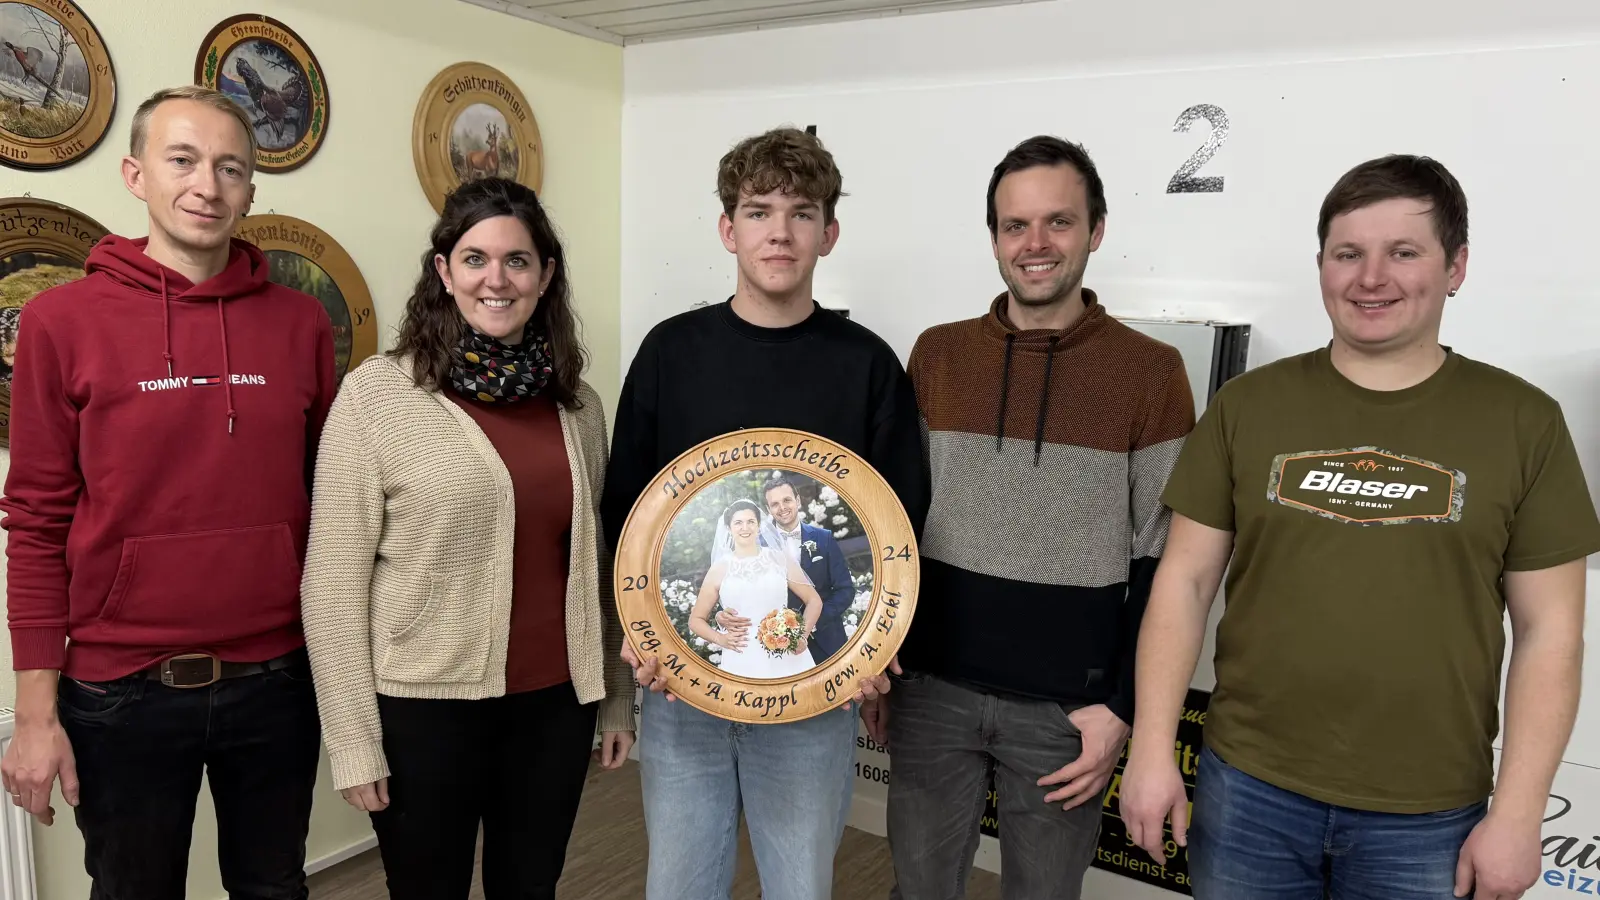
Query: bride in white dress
x=753 y=582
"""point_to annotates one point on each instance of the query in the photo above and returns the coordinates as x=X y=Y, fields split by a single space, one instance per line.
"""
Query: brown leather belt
x=196 y=670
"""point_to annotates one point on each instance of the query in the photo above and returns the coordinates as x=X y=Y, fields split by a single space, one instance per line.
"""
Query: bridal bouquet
x=780 y=632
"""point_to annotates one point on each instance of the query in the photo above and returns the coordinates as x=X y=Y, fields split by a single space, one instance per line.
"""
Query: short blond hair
x=208 y=96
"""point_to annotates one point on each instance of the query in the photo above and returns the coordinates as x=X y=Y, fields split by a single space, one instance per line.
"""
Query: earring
x=1452 y=293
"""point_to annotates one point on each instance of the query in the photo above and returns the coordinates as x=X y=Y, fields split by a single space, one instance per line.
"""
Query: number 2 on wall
x=1184 y=180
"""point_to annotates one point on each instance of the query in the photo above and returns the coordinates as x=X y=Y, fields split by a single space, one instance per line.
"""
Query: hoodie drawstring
x=1044 y=401
x=227 y=370
x=1005 y=385
x=133 y=272
x=166 y=324
x=1044 y=398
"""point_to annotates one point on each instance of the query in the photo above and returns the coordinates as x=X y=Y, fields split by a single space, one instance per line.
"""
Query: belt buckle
x=191 y=670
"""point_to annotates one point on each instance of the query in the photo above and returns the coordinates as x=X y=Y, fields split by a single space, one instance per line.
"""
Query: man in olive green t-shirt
x=1384 y=501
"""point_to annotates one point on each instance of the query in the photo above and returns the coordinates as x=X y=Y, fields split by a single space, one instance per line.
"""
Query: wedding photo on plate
x=766 y=573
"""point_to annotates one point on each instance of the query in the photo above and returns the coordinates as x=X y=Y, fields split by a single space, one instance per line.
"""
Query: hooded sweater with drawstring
x=1049 y=452
x=163 y=440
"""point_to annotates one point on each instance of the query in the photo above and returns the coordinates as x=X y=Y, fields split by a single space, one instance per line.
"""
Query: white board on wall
x=913 y=249
x=1502 y=94
x=1511 y=118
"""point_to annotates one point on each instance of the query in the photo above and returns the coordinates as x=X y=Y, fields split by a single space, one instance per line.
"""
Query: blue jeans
x=792 y=781
x=1253 y=841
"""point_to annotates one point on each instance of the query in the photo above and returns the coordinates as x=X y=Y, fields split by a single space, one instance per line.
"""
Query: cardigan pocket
x=430 y=608
x=448 y=642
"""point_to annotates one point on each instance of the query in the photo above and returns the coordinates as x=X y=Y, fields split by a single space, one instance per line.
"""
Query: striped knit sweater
x=1049 y=452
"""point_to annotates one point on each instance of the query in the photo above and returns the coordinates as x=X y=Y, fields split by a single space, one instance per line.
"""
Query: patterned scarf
x=486 y=369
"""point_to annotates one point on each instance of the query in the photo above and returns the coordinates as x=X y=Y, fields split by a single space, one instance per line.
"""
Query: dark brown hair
x=778 y=481
x=1401 y=176
x=785 y=159
x=432 y=325
x=736 y=506
x=1048 y=150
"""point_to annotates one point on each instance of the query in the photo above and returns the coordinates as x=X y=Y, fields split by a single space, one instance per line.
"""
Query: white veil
x=768 y=535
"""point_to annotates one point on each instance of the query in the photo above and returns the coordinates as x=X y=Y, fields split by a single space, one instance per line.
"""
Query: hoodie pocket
x=449 y=640
x=205 y=587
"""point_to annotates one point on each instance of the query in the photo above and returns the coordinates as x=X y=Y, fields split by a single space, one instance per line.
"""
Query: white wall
x=918 y=110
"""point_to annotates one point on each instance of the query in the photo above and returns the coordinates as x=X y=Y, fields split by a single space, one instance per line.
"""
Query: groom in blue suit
x=822 y=561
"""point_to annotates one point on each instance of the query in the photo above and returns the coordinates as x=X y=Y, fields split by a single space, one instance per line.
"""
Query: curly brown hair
x=785 y=159
x=432 y=325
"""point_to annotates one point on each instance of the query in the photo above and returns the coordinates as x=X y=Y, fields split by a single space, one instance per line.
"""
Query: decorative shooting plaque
x=57 y=87
x=740 y=542
x=473 y=122
x=42 y=245
x=270 y=72
x=302 y=256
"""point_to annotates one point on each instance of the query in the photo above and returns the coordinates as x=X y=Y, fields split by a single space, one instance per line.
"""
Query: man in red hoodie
x=165 y=415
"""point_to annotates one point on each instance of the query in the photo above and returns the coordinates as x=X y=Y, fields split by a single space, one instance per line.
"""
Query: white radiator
x=16 y=833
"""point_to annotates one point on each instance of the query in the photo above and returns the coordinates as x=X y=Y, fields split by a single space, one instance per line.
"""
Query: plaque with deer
x=473 y=122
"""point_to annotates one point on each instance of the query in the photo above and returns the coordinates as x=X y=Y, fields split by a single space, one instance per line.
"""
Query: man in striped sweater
x=1051 y=429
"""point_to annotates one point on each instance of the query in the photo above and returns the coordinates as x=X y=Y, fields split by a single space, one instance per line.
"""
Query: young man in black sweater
x=769 y=356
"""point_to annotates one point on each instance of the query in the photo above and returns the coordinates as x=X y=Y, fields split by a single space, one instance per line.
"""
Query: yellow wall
x=362 y=189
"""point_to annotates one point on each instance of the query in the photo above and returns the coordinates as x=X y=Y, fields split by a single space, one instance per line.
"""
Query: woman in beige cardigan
x=457 y=599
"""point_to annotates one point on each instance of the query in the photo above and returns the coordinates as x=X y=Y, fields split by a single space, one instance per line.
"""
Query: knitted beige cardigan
x=407 y=584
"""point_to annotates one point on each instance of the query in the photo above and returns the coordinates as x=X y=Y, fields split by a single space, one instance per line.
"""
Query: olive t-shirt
x=1359 y=654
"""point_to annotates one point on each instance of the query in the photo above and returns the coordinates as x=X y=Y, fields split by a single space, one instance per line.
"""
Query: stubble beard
x=1070 y=280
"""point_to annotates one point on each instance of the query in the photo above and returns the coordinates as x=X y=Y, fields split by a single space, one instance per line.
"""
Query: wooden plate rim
x=881 y=627
x=95 y=123
x=310 y=62
x=12 y=242
x=339 y=265
x=433 y=113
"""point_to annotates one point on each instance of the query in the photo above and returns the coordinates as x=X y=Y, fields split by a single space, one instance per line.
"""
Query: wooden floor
x=606 y=858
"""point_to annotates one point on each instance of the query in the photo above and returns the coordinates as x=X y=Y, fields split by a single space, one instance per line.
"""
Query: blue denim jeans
x=792 y=781
x=1253 y=841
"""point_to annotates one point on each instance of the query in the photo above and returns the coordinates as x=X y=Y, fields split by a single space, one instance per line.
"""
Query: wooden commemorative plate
x=264 y=66
x=58 y=90
x=473 y=122
x=859 y=548
x=42 y=244
x=303 y=256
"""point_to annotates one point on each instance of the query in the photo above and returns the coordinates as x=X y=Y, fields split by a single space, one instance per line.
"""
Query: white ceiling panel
x=637 y=21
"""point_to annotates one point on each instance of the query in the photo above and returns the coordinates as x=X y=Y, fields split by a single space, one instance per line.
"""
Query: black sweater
x=706 y=372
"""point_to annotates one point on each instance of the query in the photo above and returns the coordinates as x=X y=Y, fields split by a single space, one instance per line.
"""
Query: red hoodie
x=163 y=440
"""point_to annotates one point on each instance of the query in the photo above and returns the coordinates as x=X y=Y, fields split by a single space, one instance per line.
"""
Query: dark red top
x=163 y=436
x=527 y=434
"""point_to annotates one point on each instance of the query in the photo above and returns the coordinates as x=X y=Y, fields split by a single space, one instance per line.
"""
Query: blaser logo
x=1367 y=486
x=183 y=381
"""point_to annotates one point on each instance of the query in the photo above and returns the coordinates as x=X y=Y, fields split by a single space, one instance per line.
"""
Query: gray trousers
x=944 y=739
